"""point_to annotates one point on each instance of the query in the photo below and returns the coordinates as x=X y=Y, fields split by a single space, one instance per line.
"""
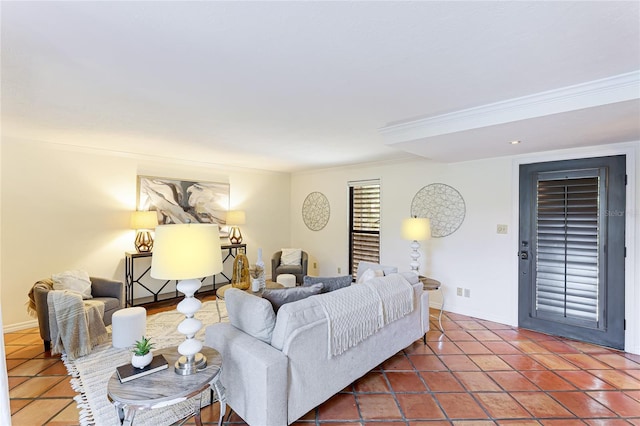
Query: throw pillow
x=280 y=296
x=330 y=283
x=76 y=281
x=291 y=257
x=369 y=274
x=250 y=313
x=364 y=265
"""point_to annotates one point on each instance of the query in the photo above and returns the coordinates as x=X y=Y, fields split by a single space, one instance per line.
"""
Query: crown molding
x=614 y=89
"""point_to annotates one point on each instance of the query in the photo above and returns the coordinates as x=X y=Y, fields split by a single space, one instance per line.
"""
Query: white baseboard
x=20 y=326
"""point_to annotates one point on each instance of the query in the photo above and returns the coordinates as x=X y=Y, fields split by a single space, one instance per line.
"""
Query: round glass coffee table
x=165 y=387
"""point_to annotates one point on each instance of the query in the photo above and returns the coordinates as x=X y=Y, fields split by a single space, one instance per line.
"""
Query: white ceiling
x=295 y=85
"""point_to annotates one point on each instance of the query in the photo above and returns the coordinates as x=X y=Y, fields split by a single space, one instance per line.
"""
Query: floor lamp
x=187 y=252
x=416 y=229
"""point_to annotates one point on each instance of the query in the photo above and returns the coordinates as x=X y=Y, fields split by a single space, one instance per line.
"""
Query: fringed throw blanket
x=356 y=314
x=396 y=295
x=352 y=316
x=76 y=325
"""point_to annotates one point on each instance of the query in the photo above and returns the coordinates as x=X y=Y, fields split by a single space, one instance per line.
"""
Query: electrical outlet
x=459 y=291
x=467 y=292
x=501 y=229
x=339 y=270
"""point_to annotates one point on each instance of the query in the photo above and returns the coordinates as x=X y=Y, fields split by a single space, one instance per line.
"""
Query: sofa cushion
x=251 y=314
x=369 y=274
x=76 y=281
x=293 y=317
x=411 y=276
x=363 y=266
x=291 y=257
x=281 y=296
x=330 y=283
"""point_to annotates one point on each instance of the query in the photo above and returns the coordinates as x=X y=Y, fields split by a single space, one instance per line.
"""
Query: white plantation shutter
x=364 y=198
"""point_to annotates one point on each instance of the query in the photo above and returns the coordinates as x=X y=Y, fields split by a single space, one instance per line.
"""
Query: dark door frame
x=632 y=286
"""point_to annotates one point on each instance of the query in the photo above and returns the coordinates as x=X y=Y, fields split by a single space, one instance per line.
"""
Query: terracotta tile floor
x=477 y=373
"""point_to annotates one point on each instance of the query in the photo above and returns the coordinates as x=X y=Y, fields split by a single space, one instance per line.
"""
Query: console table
x=133 y=277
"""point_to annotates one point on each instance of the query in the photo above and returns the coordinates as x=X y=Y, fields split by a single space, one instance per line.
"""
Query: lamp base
x=144 y=242
x=235 y=236
x=184 y=367
x=415 y=254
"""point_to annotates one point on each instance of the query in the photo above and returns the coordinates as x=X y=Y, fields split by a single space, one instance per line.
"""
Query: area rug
x=91 y=373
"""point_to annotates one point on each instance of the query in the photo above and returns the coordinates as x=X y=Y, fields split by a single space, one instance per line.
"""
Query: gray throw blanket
x=76 y=325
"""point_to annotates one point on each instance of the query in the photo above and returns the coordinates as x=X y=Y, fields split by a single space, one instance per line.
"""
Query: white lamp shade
x=236 y=217
x=186 y=251
x=416 y=229
x=144 y=220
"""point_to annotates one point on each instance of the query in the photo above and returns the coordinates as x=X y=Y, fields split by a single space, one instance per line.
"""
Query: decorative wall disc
x=315 y=211
x=443 y=205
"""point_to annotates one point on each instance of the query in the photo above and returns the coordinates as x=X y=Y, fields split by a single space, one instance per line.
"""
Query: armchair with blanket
x=110 y=292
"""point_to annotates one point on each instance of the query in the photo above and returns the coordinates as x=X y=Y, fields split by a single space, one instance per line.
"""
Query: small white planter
x=141 y=361
x=255 y=284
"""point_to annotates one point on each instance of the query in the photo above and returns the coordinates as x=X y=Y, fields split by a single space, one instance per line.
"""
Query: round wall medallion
x=443 y=205
x=315 y=211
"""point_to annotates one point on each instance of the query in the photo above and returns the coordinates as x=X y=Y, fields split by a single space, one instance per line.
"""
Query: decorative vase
x=141 y=361
x=240 y=278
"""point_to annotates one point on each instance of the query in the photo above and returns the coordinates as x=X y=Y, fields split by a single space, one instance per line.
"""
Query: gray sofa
x=110 y=292
x=274 y=383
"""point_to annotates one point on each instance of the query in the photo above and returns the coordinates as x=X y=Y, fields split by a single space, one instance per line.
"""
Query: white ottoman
x=287 y=280
x=127 y=326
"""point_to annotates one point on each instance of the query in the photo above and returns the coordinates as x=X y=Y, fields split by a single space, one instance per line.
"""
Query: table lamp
x=187 y=252
x=235 y=218
x=416 y=229
x=144 y=222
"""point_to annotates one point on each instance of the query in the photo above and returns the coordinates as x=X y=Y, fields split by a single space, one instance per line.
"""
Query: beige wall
x=5 y=409
x=475 y=257
x=68 y=208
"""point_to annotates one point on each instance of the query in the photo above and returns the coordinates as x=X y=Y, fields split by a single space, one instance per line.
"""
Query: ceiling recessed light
x=514 y=142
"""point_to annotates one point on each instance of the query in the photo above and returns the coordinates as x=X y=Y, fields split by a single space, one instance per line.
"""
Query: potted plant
x=256 y=273
x=142 y=355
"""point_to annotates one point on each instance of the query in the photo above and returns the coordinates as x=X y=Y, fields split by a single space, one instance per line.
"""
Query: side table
x=165 y=387
x=429 y=284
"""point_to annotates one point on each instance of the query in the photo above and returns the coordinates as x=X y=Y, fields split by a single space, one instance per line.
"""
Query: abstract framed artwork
x=182 y=201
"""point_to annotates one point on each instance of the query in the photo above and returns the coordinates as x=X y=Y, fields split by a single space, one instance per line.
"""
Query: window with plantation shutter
x=364 y=223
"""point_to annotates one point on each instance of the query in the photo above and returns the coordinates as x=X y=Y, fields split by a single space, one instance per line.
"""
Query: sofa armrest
x=42 y=309
x=305 y=264
x=102 y=287
x=275 y=262
x=424 y=304
x=253 y=373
